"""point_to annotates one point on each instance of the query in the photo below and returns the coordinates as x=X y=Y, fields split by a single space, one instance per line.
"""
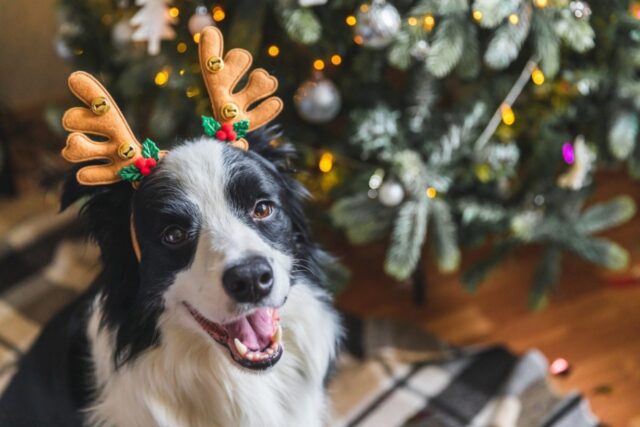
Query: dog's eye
x=174 y=235
x=263 y=209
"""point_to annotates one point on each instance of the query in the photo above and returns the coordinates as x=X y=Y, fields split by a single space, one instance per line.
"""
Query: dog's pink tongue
x=254 y=331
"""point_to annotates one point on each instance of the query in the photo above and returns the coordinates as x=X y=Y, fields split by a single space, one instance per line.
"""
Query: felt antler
x=121 y=151
x=221 y=76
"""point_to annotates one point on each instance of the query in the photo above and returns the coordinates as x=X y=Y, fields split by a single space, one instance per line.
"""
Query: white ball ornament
x=377 y=24
x=318 y=100
x=121 y=33
x=200 y=20
x=391 y=193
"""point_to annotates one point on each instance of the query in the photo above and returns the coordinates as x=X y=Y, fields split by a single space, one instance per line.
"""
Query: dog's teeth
x=242 y=349
x=277 y=337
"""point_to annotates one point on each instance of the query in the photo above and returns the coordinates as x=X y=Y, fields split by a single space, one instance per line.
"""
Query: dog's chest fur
x=188 y=380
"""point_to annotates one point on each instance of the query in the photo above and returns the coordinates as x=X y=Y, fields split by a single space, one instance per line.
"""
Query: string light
x=318 y=64
x=182 y=71
x=162 y=77
x=326 y=162
x=413 y=21
x=432 y=193
x=508 y=116
x=196 y=38
x=513 y=19
x=358 y=40
x=273 y=50
x=537 y=76
x=351 y=20
x=336 y=59
x=477 y=15
x=181 y=47
x=218 y=14
x=540 y=3
x=174 y=12
x=428 y=23
x=364 y=8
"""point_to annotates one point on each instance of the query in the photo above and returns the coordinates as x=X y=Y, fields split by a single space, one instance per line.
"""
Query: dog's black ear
x=72 y=190
x=265 y=142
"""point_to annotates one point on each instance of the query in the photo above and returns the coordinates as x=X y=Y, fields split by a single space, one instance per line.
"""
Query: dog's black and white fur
x=131 y=353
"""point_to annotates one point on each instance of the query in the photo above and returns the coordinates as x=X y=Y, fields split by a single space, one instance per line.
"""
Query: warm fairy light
x=218 y=14
x=358 y=40
x=508 y=116
x=162 y=77
x=273 y=50
x=196 y=37
x=477 y=15
x=192 y=91
x=174 y=12
x=432 y=193
x=428 y=23
x=182 y=71
x=364 y=8
x=318 y=64
x=513 y=19
x=541 y=3
x=326 y=162
x=537 y=76
x=181 y=47
x=413 y=21
x=351 y=20
x=336 y=59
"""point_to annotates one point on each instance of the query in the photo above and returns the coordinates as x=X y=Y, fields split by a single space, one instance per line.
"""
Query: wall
x=31 y=74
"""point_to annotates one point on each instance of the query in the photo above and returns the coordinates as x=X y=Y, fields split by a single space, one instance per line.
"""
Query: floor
x=593 y=319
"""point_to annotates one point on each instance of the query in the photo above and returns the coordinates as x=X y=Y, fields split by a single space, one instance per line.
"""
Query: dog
x=224 y=321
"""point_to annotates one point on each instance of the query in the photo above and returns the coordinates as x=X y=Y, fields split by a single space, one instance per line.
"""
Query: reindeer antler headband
x=125 y=158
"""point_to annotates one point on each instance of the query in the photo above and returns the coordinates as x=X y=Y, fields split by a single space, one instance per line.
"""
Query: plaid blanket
x=404 y=377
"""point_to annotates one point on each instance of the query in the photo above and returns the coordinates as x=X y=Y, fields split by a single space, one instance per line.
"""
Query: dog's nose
x=249 y=281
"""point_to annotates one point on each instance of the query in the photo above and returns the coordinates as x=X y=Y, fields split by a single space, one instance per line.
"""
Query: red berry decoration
x=226 y=127
x=139 y=163
x=231 y=136
x=145 y=165
x=221 y=135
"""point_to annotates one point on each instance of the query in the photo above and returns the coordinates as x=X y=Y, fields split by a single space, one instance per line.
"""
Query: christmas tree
x=439 y=123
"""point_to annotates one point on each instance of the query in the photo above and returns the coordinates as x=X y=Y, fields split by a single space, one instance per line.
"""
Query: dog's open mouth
x=254 y=341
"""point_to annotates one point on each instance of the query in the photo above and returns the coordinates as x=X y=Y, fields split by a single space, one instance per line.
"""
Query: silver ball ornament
x=580 y=9
x=318 y=100
x=377 y=24
x=391 y=193
x=200 y=20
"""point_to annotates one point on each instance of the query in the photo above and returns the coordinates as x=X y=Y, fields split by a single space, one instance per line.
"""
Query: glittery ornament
x=578 y=176
x=318 y=100
x=199 y=20
x=377 y=24
x=580 y=9
x=391 y=193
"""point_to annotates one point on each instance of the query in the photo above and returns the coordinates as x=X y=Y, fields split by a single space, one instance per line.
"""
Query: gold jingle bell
x=126 y=150
x=229 y=111
x=100 y=105
x=215 y=64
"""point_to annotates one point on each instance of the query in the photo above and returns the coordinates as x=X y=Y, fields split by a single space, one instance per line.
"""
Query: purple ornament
x=568 y=154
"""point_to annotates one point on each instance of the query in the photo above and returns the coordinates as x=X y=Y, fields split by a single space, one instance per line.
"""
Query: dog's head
x=222 y=239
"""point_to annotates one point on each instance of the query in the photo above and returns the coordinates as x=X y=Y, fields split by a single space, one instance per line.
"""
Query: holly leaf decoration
x=241 y=128
x=150 y=149
x=130 y=173
x=210 y=125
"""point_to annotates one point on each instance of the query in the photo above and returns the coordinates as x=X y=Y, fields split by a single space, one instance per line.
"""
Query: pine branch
x=547 y=43
x=606 y=215
x=469 y=66
x=546 y=275
x=408 y=235
x=576 y=33
x=478 y=272
x=623 y=134
x=495 y=11
x=362 y=219
x=447 y=47
x=505 y=45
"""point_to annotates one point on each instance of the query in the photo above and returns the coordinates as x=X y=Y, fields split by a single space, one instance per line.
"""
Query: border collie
x=224 y=321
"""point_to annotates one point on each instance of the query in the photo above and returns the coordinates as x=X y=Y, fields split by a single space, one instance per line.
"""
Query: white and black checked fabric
x=406 y=379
